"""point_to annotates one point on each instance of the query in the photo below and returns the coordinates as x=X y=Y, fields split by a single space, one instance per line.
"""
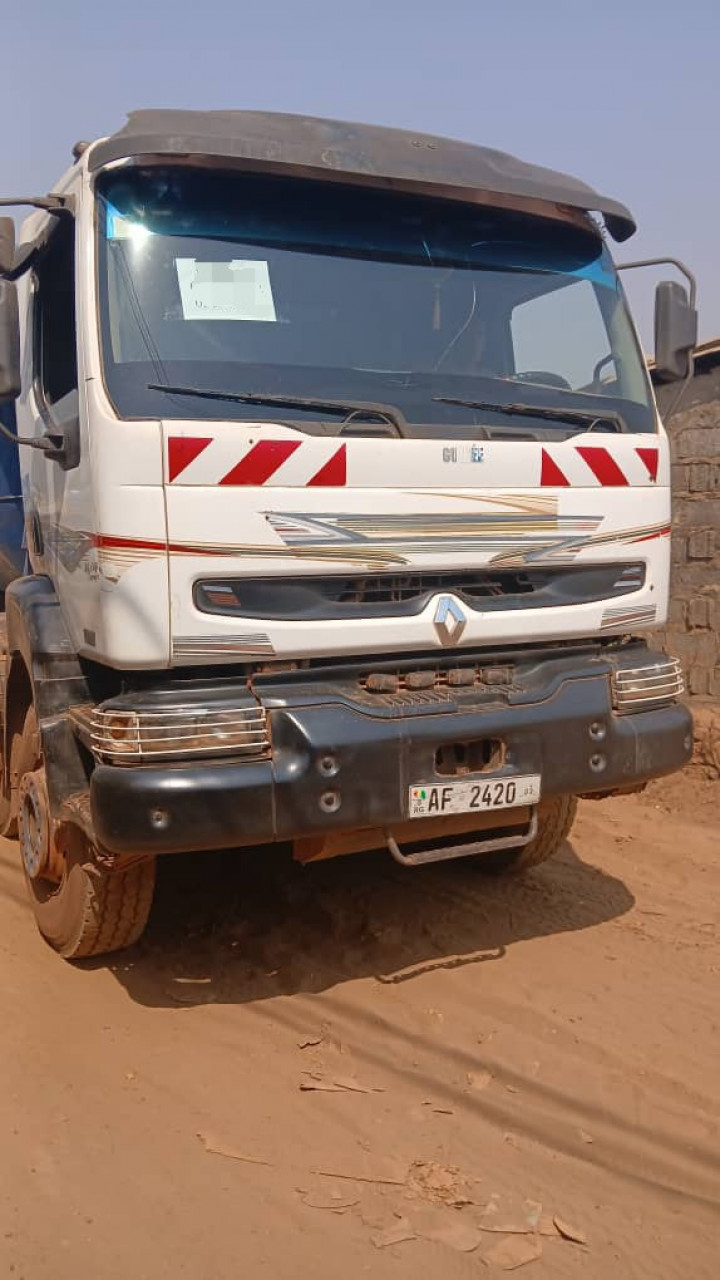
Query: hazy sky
x=624 y=94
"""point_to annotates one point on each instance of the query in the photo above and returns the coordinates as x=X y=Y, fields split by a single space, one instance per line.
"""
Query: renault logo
x=450 y=621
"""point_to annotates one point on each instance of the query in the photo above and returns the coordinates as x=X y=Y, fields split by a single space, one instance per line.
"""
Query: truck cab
x=346 y=506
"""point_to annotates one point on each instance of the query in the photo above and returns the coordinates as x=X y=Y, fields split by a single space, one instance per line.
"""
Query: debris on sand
x=216 y=1147
x=546 y=1226
x=514 y=1251
x=320 y=1086
x=568 y=1232
x=506 y=1227
x=335 y=1084
x=446 y=1227
x=438 y=1184
x=334 y=1200
x=380 y=1179
x=355 y=1086
x=397 y=1233
x=522 y=1222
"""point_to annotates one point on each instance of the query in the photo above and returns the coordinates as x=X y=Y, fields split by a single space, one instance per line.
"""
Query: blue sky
x=624 y=94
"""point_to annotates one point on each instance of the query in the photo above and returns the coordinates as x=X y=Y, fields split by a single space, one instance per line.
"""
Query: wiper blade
x=581 y=417
x=353 y=410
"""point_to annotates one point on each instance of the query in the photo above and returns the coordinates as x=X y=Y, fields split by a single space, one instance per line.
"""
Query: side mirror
x=7 y=245
x=676 y=329
x=10 y=382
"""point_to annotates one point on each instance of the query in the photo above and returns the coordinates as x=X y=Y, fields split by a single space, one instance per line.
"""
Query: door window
x=55 y=338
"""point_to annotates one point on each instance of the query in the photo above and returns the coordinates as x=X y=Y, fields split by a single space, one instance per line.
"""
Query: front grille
x=397 y=594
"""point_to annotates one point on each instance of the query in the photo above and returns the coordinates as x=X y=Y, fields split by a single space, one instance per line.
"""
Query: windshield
x=244 y=283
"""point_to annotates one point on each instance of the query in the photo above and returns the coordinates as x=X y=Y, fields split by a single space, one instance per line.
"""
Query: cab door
x=57 y=494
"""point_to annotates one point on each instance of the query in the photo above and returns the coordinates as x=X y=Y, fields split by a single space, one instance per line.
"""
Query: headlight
x=640 y=688
x=126 y=737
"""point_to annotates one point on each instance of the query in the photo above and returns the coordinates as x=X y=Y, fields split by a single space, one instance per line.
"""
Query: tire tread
x=116 y=909
x=553 y=828
x=555 y=818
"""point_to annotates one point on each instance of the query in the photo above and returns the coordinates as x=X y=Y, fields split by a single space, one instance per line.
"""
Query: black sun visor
x=354 y=153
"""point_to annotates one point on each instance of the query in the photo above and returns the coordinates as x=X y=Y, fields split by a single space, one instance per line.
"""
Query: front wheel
x=555 y=818
x=82 y=908
x=92 y=910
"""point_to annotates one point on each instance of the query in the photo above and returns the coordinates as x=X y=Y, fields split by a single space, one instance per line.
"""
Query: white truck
x=347 y=507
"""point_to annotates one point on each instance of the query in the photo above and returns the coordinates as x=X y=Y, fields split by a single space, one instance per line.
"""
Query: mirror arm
x=692 y=288
x=51 y=204
x=665 y=262
x=45 y=446
x=23 y=262
x=55 y=205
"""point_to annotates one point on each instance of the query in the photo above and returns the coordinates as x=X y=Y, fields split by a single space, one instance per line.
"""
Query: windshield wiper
x=581 y=417
x=352 y=410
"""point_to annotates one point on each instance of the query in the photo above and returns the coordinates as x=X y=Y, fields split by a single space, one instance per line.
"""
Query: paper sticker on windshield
x=120 y=228
x=237 y=290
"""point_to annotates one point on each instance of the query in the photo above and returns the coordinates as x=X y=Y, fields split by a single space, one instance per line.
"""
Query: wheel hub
x=34 y=825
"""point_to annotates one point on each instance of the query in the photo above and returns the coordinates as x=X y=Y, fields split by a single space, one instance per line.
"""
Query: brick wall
x=693 y=630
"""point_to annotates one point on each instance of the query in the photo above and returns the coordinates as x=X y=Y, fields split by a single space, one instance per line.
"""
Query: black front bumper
x=341 y=761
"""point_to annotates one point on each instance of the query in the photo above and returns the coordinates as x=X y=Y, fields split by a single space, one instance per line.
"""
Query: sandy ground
x=456 y=1052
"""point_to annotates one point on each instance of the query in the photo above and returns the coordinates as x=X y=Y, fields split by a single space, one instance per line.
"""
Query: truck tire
x=555 y=818
x=93 y=911
x=86 y=908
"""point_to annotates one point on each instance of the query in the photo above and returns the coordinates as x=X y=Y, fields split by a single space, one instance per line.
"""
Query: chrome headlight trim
x=638 y=688
x=129 y=736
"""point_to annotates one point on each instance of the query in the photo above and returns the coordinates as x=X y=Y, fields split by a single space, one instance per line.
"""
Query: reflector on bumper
x=637 y=688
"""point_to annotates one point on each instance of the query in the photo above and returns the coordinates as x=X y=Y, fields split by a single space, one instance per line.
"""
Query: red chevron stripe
x=120 y=544
x=603 y=466
x=650 y=457
x=182 y=450
x=550 y=473
x=263 y=460
x=334 y=472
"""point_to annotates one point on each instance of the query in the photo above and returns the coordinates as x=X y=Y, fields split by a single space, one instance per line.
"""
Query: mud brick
x=699 y=680
x=699 y=613
x=701 y=545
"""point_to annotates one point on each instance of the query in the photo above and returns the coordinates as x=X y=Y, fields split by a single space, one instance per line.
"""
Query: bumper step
x=472 y=845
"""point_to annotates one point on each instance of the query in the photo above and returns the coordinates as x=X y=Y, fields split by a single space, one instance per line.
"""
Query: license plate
x=469 y=797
